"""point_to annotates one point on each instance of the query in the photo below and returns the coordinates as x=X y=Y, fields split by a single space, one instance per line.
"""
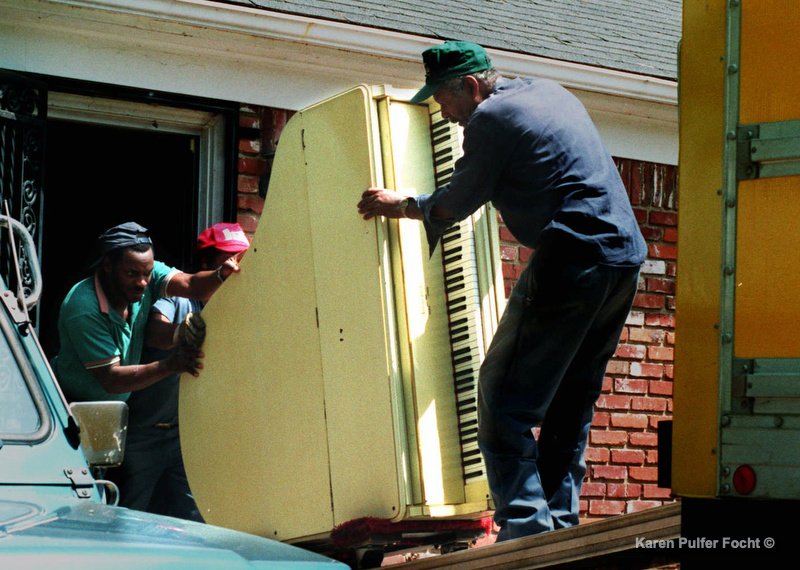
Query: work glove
x=185 y=358
x=191 y=332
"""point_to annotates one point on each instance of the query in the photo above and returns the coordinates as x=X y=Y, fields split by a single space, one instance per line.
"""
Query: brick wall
x=261 y=127
x=637 y=392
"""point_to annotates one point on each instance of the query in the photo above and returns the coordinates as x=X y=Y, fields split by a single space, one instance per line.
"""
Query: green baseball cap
x=448 y=60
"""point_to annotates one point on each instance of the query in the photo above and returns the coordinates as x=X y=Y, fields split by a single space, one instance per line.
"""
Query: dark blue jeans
x=545 y=367
x=152 y=476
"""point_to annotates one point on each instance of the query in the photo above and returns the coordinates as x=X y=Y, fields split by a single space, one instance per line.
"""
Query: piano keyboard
x=463 y=303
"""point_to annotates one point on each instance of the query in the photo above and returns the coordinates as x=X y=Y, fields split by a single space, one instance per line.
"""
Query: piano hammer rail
x=615 y=542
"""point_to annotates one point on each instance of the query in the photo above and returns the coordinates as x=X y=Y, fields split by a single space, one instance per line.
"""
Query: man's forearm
x=413 y=210
x=119 y=379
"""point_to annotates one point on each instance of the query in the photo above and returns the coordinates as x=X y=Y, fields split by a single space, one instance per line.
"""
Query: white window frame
x=208 y=127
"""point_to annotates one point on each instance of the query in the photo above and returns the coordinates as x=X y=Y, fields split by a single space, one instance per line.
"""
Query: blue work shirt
x=533 y=151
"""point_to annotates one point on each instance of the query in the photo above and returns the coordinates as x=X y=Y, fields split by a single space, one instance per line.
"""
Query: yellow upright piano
x=341 y=363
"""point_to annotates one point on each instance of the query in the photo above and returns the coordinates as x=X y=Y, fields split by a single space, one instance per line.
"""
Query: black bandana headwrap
x=118 y=237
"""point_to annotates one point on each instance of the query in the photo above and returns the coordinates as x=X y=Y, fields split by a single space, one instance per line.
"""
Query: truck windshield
x=19 y=416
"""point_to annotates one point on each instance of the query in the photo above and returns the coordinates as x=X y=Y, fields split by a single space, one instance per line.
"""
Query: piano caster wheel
x=369 y=557
x=453 y=547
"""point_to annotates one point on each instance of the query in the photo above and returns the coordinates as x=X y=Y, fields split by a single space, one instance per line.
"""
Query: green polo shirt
x=93 y=335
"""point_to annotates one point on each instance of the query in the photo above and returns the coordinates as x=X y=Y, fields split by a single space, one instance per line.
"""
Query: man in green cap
x=531 y=149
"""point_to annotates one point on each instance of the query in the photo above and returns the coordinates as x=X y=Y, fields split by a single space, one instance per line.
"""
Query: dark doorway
x=99 y=176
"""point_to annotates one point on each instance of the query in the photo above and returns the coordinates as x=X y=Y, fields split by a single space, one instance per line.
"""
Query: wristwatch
x=403 y=206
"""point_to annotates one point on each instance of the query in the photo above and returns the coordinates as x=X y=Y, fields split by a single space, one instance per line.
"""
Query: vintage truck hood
x=84 y=534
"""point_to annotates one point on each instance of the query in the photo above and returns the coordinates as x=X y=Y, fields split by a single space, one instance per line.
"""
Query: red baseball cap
x=224 y=237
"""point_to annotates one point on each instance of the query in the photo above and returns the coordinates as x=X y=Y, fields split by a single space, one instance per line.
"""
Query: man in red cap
x=152 y=477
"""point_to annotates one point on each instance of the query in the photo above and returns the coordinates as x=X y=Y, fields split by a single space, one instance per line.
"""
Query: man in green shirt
x=102 y=320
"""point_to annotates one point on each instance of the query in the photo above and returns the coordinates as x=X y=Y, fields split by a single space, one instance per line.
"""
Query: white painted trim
x=262 y=23
x=251 y=56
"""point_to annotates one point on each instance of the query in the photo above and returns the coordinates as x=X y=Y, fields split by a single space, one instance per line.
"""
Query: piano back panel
x=290 y=430
x=253 y=429
x=353 y=294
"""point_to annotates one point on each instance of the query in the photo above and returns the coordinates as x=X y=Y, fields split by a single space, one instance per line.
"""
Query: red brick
x=641 y=215
x=624 y=168
x=660 y=387
x=249 y=121
x=648 y=404
x=583 y=506
x=248 y=146
x=596 y=455
x=648 y=335
x=612 y=472
x=511 y=270
x=508 y=253
x=664 y=218
x=617 y=367
x=635 y=421
x=608 y=402
x=656 y=492
x=660 y=353
x=525 y=253
x=652 y=234
x=668 y=187
x=251 y=203
x=247 y=184
x=623 y=490
x=670 y=235
x=630 y=386
x=506 y=235
x=256 y=166
x=648 y=370
x=651 y=455
x=659 y=285
x=606 y=507
x=636 y=351
x=669 y=371
x=593 y=490
x=645 y=474
x=636 y=189
x=643 y=439
x=607 y=437
x=248 y=221
x=670 y=338
x=659 y=320
x=648 y=301
x=627 y=456
x=601 y=419
x=635 y=318
x=662 y=251
x=636 y=506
